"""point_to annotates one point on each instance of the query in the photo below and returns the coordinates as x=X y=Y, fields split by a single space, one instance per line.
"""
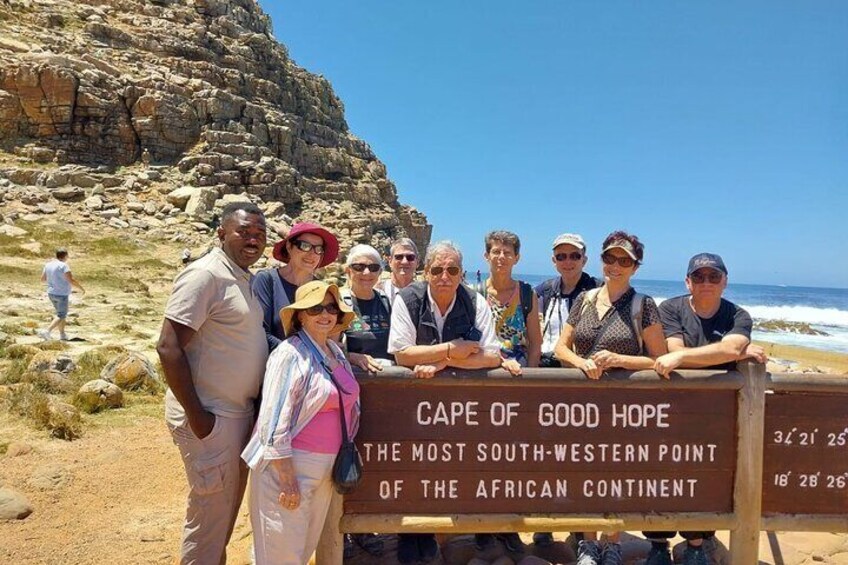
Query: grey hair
x=362 y=250
x=441 y=247
x=403 y=242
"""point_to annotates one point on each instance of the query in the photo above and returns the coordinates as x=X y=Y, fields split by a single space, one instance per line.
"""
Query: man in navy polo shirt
x=702 y=331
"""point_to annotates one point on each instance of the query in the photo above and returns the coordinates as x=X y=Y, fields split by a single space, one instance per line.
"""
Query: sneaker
x=44 y=334
x=588 y=553
x=612 y=555
x=512 y=542
x=63 y=337
x=543 y=539
x=659 y=554
x=483 y=541
x=427 y=547
x=349 y=549
x=407 y=548
x=694 y=556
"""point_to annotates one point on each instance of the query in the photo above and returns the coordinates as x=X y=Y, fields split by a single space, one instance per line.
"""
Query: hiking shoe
x=694 y=556
x=512 y=542
x=349 y=549
x=483 y=541
x=612 y=555
x=428 y=549
x=543 y=539
x=588 y=553
x=63 y=337
x=407 y=548
x=659 y=554
x=44 y=334
x=370 y=543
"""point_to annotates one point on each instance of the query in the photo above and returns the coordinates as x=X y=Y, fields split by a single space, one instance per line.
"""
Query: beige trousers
x=216 y=478
x=289 y=537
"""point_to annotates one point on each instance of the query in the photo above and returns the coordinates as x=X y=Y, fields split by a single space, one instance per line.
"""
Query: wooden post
x=330 y=550
x=748 y=487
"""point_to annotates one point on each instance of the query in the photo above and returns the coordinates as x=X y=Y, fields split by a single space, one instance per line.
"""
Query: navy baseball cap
x=706 y=260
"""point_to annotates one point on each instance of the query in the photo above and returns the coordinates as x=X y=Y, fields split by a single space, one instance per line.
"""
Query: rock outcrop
x=110 y=106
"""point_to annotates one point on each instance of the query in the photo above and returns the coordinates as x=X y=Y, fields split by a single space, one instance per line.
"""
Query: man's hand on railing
x=667 y=363
x=755 y=352
x=512 y=366
x=428 y=371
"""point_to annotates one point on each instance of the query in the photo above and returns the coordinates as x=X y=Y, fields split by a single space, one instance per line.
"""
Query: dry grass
x=37 y=407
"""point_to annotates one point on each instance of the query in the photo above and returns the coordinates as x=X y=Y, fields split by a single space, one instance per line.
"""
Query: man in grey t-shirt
x=60 y=282
x=213 y=352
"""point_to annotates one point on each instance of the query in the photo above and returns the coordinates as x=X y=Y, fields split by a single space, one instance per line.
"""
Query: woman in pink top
x=298 y=433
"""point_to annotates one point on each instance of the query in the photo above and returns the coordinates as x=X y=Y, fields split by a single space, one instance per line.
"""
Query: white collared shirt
x=402 y=332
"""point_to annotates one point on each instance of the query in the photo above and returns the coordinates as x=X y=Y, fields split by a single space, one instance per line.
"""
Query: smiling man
x=403 y=262
x=440 y=323
x=213 y=352
x=702 y=330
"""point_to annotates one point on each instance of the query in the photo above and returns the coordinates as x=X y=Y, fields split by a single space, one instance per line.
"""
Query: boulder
x=180 y=196
x=13 y=505
x=54 y=382
x=93 y=203
x=12 y=231
x=69 y=194
x=131 y=371
x=99 y=394
x=45 y=361
x=201 y=202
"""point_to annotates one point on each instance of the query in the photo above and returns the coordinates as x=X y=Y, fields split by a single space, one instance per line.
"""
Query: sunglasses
x=408 y=256
x=370 y=267
x=714 y=277
x=332 y=308
x=574 y=256
x=611 y=259
x=305 y=246
x=437 y=271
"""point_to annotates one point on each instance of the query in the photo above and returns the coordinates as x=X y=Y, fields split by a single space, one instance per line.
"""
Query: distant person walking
x=213 y=352
x=60 y=283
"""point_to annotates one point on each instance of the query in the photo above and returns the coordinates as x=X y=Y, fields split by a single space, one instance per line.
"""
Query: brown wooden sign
x=805 y=460
x=505 y=448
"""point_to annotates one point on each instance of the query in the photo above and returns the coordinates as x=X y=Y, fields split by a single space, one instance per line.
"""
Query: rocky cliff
x=149 y=115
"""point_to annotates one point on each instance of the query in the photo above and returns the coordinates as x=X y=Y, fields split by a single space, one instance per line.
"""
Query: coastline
x=794 y=359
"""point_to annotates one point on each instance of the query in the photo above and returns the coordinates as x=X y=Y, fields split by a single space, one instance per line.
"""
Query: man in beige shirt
x=213 y=351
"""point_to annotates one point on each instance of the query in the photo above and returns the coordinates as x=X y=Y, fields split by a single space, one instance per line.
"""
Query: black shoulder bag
x=347 y=469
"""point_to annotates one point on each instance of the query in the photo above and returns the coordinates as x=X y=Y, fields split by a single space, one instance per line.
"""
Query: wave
x=832 y=317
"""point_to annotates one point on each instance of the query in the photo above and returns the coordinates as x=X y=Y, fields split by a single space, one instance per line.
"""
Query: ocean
x=824 y=309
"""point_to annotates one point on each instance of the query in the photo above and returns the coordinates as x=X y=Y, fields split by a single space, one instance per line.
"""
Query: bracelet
x=447 y=355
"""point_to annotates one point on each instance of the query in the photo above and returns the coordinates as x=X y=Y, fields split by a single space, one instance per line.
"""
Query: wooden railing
x=723 y=409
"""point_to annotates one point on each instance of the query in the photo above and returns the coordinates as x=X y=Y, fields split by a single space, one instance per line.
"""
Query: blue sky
x=698 y=126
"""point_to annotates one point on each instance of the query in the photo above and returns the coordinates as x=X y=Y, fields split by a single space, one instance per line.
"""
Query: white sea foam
x=804 y=314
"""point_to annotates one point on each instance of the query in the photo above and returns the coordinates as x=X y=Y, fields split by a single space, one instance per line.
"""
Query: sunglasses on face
x=408 y=256
x=574 y=256
x=714 y=277
x=332 y=308
x=437 y=271
x=362 y=267
x=305 y=246
x=610 y=259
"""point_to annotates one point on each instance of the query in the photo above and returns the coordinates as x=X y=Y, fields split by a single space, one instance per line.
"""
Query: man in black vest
x=439 y=323
x=702 y=330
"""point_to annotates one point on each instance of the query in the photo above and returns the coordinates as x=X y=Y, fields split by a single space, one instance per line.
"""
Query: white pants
x=289 y=537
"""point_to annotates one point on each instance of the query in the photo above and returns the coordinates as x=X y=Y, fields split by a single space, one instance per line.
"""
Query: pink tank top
x=323 y=433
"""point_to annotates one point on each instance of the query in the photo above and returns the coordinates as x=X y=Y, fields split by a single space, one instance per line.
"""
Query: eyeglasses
x=714 y=277
x=408 y=256
x=574 y=256
x=437 y=271
x=305 y=246
x=611 y=259
x=332 y=308
x=370 y=267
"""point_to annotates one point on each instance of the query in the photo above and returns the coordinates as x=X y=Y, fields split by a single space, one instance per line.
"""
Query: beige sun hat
x=312 y=294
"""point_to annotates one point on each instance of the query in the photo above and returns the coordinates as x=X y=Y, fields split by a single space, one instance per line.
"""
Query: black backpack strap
x=525 y=297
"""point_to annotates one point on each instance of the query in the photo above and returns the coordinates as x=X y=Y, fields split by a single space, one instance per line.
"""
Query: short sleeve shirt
x=54 y=273
x=680 y=320
x=369 y=332
x=614 y=332
x=227 y=354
